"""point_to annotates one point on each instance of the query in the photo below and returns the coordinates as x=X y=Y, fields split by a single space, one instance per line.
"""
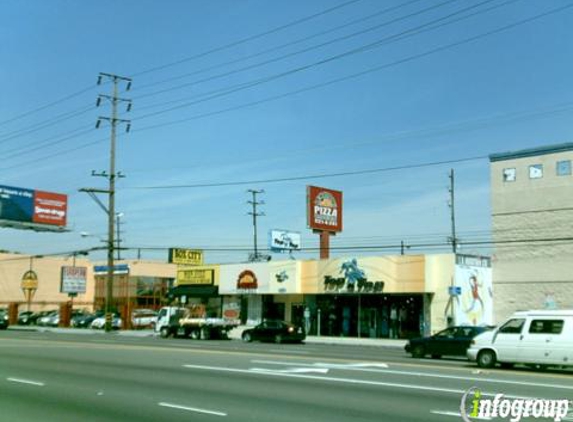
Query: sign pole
x=324 y=244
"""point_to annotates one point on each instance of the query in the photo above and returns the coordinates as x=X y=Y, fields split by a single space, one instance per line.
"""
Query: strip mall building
x=378 y=296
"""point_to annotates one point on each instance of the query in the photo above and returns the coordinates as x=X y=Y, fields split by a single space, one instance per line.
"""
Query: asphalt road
x=58 y=377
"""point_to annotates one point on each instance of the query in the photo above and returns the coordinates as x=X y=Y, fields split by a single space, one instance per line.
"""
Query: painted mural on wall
x=474 y=303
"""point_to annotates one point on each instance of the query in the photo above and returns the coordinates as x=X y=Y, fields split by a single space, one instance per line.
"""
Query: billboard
x=284 y=240
x=73 y=280
x=324 y=209
x=33 y=206
x=182 y=256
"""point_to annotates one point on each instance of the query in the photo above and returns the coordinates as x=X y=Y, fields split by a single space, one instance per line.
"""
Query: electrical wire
x=246 y=39
x=360 y=74
x=279 y=47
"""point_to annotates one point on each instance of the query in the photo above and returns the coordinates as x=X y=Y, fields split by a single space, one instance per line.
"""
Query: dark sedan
x=277 y=331
x=3 y=319
x=453 y=341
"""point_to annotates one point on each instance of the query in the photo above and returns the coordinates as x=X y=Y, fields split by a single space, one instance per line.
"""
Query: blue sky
x=302 y=109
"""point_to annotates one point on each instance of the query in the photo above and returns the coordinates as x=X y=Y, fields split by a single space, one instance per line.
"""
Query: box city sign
x=33 y=206
x=324 y=209
x=181 y=256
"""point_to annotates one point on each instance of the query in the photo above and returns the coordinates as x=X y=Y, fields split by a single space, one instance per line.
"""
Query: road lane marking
x=456 y=414
x=191 y=409
x=364 y=368
x=330 y=379
x=292 y=370
x=29 y=382
x=294 y=352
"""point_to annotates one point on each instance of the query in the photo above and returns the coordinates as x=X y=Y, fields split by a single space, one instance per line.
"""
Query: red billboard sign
x=324 y=209
x=50 y=208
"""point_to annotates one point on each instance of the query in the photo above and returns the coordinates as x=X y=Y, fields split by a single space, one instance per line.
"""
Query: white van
x=531 y=337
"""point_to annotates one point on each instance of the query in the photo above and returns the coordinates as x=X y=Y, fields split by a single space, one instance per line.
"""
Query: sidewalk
x=348 y=341
x=234 y=334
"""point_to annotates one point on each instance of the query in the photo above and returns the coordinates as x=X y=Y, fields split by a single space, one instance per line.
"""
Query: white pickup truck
x=187 y=322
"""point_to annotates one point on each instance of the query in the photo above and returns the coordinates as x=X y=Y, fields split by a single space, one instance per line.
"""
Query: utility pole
x=453 y=239
x=254 y=203
x=118 y=233
x=113 y=122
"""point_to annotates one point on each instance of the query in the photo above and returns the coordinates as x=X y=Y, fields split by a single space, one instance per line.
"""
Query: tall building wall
x=532 y=221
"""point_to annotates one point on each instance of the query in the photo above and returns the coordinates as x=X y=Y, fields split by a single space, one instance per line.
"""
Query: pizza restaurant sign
x=324 y=209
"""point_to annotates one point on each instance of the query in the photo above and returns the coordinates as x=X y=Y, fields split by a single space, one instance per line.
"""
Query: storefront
x=373 y=297
x=198 y=287
x=136 y=285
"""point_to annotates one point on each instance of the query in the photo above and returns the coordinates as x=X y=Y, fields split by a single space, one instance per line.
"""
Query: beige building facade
x=48 y=294
x=532 y=222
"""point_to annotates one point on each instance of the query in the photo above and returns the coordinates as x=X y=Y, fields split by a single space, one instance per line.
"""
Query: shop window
x=536 y=171
x=563 y=168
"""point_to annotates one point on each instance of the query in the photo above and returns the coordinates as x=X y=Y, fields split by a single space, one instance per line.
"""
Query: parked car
x=273 y=330
x=47 y=319
x=3 y=319
x=99 y=322
x=534 y=338
x=143 y=318
x=85 y=320
x=453 y=341
x=25 y=318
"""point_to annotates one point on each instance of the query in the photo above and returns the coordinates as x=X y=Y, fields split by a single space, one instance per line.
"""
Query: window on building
x=564 y=168
x=509 y=175
x=536 y=171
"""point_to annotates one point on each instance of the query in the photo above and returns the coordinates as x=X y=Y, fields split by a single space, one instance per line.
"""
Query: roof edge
x=531 y=152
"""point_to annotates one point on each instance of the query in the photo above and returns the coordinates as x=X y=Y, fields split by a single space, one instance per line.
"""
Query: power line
x=44 y=124
x=246 y=39
x=157 y=68
x=358 y=74
x=417 y=30
x=348 y=77
x=281 y=46
x=307 y=49
x=315 y=176
x=53 y=103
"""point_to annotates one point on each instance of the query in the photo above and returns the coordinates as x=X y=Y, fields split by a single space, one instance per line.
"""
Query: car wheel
x=278 y=339
x=195 y=334
x=486 y=359
x=418 y=352
x=247 y=338
x=164 y=332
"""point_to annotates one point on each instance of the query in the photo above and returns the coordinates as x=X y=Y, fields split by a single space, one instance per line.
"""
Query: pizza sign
x=324 y=209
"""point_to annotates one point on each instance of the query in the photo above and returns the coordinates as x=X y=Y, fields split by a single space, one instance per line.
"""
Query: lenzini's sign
x=324 y=209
